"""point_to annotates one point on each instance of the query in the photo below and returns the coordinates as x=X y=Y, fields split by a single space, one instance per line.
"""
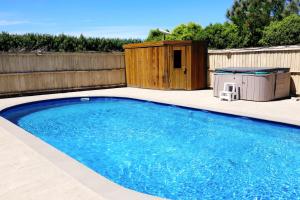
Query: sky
x=107 y=18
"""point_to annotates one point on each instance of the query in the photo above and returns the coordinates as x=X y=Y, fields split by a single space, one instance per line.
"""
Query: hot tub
x=255 y=84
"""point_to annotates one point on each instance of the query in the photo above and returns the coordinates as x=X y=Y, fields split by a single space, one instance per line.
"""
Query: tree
x=190 y=31
x=251 y=16
x=155 y=35
x=221 y=36
x=285 y=32
x=292 y=7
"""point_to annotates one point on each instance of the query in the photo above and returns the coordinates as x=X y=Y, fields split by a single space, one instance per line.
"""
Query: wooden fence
x=32 y=73
x=258 y=57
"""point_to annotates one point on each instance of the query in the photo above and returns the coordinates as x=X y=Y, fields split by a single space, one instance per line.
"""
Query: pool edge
x=266 y=118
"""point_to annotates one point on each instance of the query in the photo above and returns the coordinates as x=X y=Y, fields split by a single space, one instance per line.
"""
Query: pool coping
x=99 y=184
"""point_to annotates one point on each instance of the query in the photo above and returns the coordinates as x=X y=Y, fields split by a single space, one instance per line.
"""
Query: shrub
x=155 y=35
x=62 y=43
x=284 y=32
x=190 y=31
x=221 y=36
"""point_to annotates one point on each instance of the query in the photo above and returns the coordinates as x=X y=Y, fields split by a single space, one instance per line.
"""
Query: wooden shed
x=167 y=65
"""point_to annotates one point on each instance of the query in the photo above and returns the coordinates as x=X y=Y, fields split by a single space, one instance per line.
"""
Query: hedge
x=59 y=43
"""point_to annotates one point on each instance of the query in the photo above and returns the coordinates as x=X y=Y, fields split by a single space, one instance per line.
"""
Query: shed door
x=178 y=70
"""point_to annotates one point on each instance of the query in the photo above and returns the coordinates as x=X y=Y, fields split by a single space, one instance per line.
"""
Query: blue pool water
x=169 y=151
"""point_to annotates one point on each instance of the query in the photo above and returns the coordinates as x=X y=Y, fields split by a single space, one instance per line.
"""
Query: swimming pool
x=170 y=151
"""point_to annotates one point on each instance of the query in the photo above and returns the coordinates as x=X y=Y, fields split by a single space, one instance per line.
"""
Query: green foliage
x=190 y=31
x=251 y=16
x=221 y=36
x=285 y=32
x=292 y=7
x=155 y=35
x=248 y=19
x=62 y=43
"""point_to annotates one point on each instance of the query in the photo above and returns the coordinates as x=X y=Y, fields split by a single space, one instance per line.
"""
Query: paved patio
x=31 y=169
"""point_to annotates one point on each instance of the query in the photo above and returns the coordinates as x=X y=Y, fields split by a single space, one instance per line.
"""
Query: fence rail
x=288 y=56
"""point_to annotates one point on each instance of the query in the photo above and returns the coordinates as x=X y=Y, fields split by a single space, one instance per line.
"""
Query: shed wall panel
x=150 y=65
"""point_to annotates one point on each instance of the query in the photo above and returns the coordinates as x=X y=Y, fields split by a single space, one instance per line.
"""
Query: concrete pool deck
x=32 y=169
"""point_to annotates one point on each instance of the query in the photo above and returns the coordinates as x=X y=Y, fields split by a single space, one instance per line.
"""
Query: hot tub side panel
x=220 y=79
x=283 y=85
x=251 y=87
x=264 y=87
